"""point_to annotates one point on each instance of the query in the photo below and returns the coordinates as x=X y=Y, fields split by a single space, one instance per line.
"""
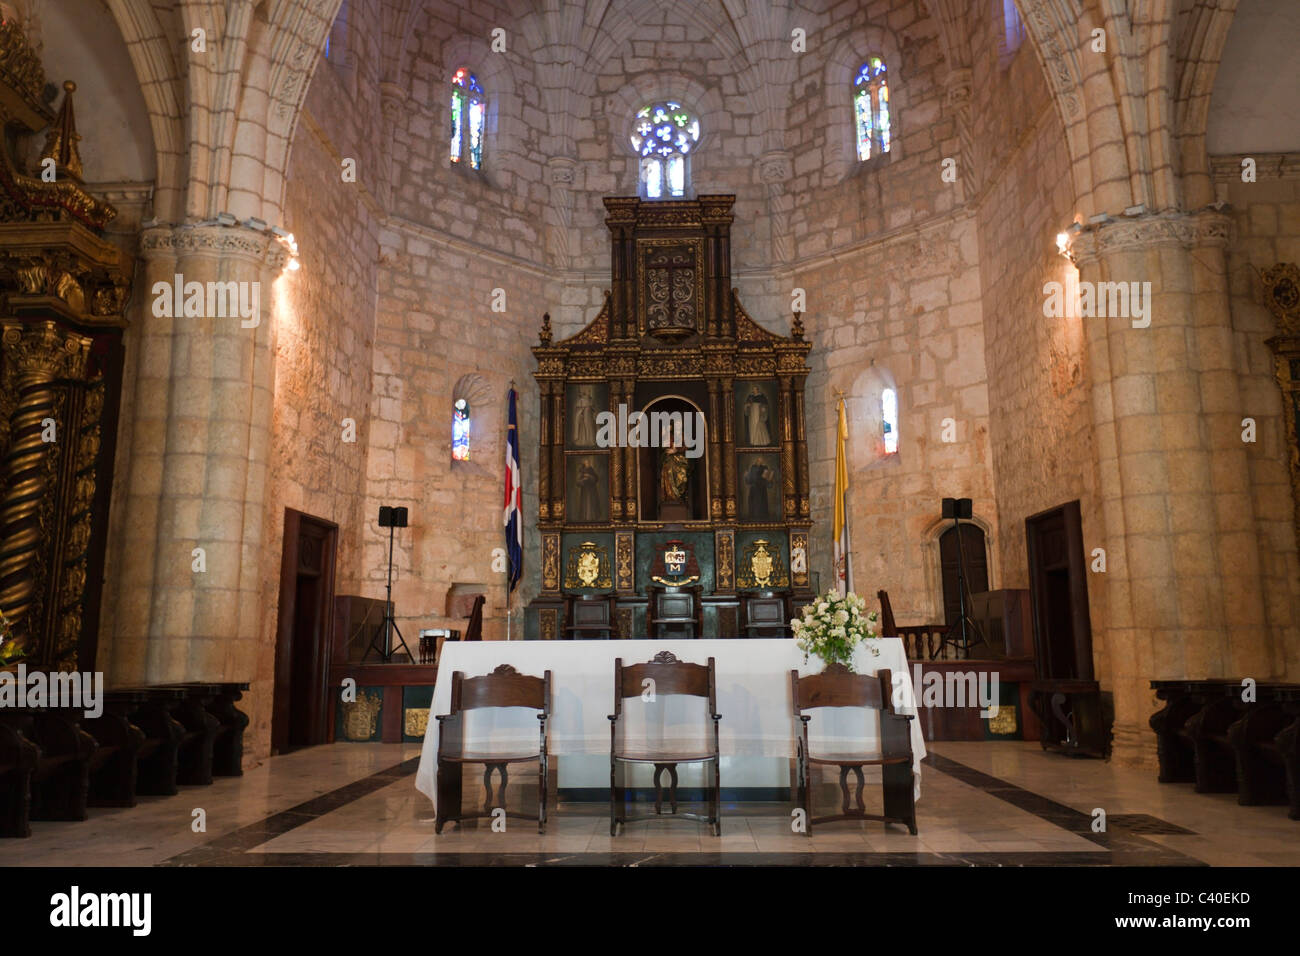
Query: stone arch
x=504 y=125
x=862 y=405
x=932 y=561
x=836 y=116
x=160 y=84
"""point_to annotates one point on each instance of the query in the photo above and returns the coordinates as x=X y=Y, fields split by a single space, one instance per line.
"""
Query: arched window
x=1013 y=28
x=889 y=419
x=336 y=39
x=871 y=108
x=468 y=117
x=663 y=136
x=460 y=430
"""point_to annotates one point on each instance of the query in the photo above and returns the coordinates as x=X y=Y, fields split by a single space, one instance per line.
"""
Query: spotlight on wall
x=1100 y=219
x=226 y=219
x=1134 y=211
x=1063 y=243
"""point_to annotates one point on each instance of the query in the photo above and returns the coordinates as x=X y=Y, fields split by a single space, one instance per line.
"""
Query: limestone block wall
x=901 y=313
x=436 y=331
x=838 y=201
x=324 y=332
x=503 y=204
x=1040 y=418
x=1266 y=230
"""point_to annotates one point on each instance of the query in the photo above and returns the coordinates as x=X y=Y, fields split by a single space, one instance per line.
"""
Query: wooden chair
x=591 y=616
x=670 y=676
x=922 y=641
x=766 y=615
x=674 y=612
x=837 y=686
x=504 y=687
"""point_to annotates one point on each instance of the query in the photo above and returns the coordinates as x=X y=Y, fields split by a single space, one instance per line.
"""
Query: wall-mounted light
x=1063 y=243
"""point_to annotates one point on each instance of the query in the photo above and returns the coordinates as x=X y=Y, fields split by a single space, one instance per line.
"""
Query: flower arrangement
x=833 y=626
x=10 y=650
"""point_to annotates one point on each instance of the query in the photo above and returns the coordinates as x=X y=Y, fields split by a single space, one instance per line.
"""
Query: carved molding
x=1207 y=227
x=220 y=242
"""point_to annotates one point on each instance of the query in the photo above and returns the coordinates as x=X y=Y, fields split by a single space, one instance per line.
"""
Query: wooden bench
x=1207 y=733
x=1261 y=772
x=18 y=758
x=157 y=761
x=228 y=748
x=60 y=781
x=114 y=766
x=1183 y=700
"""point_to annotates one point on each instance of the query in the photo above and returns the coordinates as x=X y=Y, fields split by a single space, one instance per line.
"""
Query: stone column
x=1180 y=596
x=774 y=167
x=200 y=425
x=561 y=171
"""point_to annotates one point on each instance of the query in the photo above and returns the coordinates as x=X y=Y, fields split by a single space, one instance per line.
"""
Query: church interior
x=699 y=431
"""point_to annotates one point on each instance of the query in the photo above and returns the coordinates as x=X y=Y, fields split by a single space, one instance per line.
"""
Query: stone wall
x=1266 y=221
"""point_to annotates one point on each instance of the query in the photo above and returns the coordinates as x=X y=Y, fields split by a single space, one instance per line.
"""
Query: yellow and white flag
x=843 y=560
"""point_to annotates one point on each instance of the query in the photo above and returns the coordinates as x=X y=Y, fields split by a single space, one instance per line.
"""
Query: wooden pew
x=1207 y=732
x=115 y=764
x=199 y=733
x=1183 y=700
x=228 y=748
x=158 y=758
x=1261 y=773
x=18 y=758
x=60 y=781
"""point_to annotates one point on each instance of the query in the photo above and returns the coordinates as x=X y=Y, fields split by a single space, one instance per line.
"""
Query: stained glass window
x=664 y=135
x=871 y=108
x=468 y=115
x=460 y=430
x=889 y=418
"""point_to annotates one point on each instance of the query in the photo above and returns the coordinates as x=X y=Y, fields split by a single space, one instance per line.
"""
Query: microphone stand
x=384 y=648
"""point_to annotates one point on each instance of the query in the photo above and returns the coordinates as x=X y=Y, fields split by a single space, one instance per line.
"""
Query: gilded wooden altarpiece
x=63 y=290
x=673 y=328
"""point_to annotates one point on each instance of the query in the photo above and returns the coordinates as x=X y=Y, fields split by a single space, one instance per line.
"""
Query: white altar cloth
x=753 y=697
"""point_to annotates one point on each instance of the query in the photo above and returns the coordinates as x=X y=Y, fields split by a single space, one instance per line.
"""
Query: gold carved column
x=35 y=356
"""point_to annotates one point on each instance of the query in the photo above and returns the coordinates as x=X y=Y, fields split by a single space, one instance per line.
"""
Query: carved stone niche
x=1282 y=296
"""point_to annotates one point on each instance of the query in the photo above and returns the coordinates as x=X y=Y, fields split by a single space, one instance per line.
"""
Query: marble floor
x=996 y=803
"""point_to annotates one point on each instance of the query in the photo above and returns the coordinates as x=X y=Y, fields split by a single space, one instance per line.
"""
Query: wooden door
x=1058 y=593
x=305 y=624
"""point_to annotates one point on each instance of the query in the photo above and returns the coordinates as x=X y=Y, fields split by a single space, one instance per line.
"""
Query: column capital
x=256 y=246
x=1207 y=226
x=774 y=166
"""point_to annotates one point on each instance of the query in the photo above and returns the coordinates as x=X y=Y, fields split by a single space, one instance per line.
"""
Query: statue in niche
x=758 y=479
x=588 y=482
x=674 y=482
x=584 y=418
x=756 y=418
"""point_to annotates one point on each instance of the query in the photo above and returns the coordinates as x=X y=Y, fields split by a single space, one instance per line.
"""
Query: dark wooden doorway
x=975 y=554
x=299 y=716
x=1058 y=593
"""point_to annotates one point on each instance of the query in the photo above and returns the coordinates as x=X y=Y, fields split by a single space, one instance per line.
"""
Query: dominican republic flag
x=513 y=517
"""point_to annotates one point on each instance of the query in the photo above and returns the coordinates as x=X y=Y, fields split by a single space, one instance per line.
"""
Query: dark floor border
x=1117 y=847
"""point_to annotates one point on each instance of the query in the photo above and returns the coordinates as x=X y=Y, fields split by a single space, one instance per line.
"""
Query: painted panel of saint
x=583 y=401
x=757 y=414
x=760 y=486
x=587 y=488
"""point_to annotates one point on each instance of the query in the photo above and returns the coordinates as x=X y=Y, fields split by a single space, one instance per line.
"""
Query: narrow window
x=889 y=419
x=871 y=109
x=468 y=116
x=460 y=430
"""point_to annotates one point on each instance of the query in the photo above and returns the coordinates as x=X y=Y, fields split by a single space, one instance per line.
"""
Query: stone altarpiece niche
x=672 y=446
